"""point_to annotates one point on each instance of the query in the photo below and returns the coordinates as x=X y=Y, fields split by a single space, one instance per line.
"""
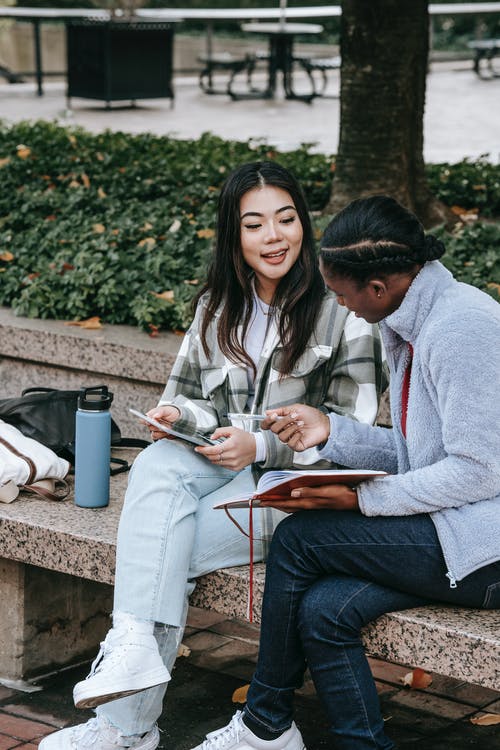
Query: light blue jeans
x=169 y=535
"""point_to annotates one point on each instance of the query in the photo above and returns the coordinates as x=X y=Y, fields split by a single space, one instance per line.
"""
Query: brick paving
x=221 y=658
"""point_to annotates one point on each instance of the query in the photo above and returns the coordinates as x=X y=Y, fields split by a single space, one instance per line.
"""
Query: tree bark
x=384 y=49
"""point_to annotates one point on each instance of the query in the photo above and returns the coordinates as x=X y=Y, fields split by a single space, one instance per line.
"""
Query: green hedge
x=121 y=226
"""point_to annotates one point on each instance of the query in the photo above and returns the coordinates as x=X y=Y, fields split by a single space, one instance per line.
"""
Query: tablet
x=197 y=438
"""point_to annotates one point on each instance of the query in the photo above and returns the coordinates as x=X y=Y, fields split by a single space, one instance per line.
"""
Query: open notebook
x=274 y=485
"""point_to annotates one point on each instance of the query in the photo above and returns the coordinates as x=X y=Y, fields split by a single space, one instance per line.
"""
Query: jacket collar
x=406 y=322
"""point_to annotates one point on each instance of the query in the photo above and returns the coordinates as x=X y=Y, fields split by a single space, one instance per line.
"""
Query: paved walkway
x=462 y=116
x=222 y=657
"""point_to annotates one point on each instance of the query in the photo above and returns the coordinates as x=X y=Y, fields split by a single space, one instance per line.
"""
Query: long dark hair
x=374 y=237
x=299 y=293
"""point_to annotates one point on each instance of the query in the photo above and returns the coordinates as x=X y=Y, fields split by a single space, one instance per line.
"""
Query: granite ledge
x=110 y=350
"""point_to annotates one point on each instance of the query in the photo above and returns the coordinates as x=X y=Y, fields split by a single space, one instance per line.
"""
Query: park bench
x=485 y=50
x=57 y=560
x=228 y=64
x=322 y=66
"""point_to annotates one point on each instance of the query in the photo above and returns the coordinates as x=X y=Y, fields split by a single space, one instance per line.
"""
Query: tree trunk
x=384 y=49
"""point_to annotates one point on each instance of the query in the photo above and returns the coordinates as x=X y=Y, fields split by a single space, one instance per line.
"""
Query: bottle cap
x=97 y=398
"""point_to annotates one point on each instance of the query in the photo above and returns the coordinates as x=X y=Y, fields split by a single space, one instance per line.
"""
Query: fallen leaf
x=183 y=650
x=146 y=226
x=23 y=151
x=486 y=720
x=417 y=679
x=205 y=234
x=494 y=285
x=115 y=232
x=6 y=256
x=72 y=139
x=154 y=331
x=98 y=228
x=90 y=323
x=240 y=694
x=4 y=162
x=85 y=179
x=74 y=184
x=169 y=296
x=99 y=156
x=191 y=281
x=175 y=226
x=101 y=193
x=147 y=242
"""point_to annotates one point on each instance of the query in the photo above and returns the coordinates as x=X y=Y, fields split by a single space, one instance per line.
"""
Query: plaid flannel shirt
x=341 y=370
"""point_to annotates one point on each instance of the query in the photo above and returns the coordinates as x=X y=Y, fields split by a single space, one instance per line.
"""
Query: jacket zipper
x=453 y=582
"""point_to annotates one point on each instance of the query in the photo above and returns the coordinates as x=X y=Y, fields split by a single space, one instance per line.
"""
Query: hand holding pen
x=252 y=417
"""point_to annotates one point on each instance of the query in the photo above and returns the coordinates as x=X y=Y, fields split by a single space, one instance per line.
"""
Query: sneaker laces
x=90 y=735
x=93 y=732
x=222 y=737
x=106 y=651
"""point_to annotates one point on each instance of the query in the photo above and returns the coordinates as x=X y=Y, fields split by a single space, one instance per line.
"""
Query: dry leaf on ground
x=90 y=323
x=417 y=679
x=486 y=720
x=240 y=694
x=7 y=256
x=183 y=650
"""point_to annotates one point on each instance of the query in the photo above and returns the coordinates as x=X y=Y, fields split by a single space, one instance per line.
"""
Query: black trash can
x=119 y=60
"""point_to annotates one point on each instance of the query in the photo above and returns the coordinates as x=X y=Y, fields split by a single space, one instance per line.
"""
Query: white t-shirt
x=254 y=343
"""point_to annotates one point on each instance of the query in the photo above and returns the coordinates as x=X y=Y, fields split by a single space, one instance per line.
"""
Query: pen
x=255 y=417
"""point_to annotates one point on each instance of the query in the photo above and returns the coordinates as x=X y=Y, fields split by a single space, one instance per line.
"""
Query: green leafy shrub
x=121 y=226
x=115 y=225
x=469 y=184
x=473 y=255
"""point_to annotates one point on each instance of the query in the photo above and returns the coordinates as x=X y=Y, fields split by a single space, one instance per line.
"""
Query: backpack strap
x=31 y=465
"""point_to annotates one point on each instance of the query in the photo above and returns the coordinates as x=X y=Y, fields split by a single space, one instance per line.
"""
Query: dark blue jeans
x=329 y=573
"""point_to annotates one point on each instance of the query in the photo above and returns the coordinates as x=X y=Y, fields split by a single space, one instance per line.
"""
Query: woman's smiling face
x=271 y=236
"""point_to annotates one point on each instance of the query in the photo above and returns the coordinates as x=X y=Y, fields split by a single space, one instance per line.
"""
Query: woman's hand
x=330 y=496
x=237 y=451
x=167 y=415
x=300 y=426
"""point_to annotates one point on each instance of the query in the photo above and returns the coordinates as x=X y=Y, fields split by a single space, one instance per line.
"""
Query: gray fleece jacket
x=449 y=463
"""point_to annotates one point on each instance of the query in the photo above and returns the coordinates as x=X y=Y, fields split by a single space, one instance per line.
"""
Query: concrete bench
x=485 y=50
x=57 y=560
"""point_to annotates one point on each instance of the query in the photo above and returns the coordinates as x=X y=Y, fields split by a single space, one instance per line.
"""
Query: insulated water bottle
x=93 y=447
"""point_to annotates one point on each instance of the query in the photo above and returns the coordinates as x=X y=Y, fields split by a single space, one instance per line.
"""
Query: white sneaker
x=97 y=734
x=237 y=736
x=128 y=661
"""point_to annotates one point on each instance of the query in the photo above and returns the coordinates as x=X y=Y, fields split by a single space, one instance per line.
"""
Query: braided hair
x=376 y=236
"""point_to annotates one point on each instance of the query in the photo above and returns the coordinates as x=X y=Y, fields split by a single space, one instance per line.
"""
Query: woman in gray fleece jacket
x=427 y=532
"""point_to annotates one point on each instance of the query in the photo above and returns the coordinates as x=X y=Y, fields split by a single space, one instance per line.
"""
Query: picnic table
x=281 y=57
